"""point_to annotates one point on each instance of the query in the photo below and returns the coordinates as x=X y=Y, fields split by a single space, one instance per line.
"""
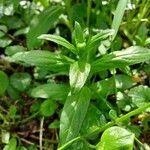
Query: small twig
x=43 y=139
x=26 y=141
x=30 y=143
x=41 y=133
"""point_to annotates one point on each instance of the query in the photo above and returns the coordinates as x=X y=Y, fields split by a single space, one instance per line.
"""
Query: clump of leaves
x=80 y=69
x=91 y=65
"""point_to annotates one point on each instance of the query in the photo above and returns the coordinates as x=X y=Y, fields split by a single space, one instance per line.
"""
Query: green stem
x=75 y=140
x=70 y=142
x=118 y=120
x=108 y=125
x=132 y=113
x=138 y=141
x=98 y=130
x=89 y=145
x=88 y=11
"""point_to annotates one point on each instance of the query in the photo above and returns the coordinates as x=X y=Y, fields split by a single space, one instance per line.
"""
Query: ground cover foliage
x=74 y=74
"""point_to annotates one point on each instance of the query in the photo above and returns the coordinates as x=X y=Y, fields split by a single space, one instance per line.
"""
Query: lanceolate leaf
x=102 y=35
x=78 y=75
x=73 y=115
x=118 y=15
x=42 y=24
x=79 y=38
x=140 y=95
x=129 y=56
x=43 y=59
x=59 y=40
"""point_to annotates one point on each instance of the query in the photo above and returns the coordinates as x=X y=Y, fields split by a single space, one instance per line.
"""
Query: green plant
x=81 y=68
x=98 y=92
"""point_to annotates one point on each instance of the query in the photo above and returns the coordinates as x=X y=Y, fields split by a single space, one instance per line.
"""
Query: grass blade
x=118 y=15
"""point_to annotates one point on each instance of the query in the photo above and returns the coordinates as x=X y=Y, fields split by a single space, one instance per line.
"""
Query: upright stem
x=70 y=142
x=88 y=11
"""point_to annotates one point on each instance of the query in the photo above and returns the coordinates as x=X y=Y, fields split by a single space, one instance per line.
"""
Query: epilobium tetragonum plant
x=82 y=64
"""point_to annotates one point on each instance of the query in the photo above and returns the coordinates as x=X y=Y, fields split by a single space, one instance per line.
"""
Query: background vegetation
x=74 y=74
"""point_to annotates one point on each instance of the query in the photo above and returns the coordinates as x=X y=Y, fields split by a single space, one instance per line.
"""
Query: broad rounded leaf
x=3 y=82
x=5 y=42
x=54 y=125
x=116 y=138
x=48 y=107
x=11 y=50
x=13 y=93
x=20 y=81
x=140 y=95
